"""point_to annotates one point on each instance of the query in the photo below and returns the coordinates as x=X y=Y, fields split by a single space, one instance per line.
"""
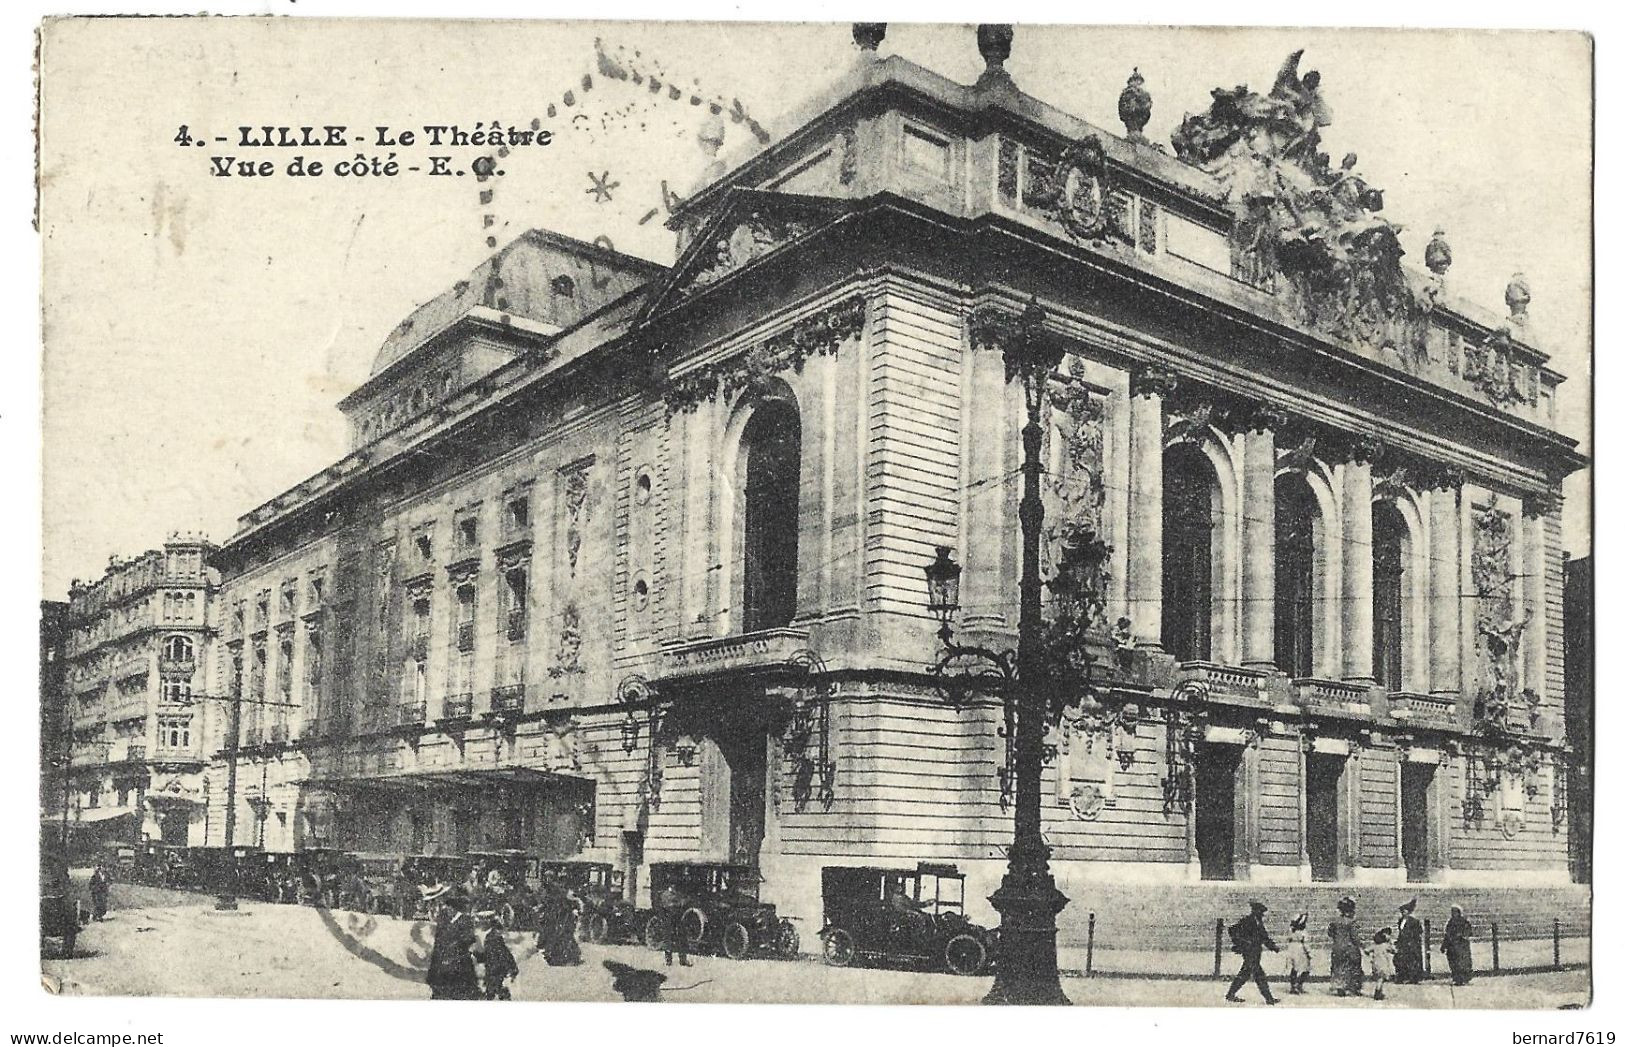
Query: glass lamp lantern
x=942 y=584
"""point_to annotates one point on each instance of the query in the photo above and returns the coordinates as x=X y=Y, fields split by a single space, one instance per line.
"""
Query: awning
x=418 y=781
x=89 y=815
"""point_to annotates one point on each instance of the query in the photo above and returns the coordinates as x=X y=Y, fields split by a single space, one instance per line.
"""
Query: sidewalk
x=1527 y=955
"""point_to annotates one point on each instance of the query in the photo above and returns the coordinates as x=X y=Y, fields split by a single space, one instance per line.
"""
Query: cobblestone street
x=175 y=944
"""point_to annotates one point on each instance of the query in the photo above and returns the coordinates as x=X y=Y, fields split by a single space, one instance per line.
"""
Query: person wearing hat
x=1348 y=969
x=1408 y=959
x=1458 y=946
x=1297 y=953
x=1250 y=938
x=494 y=955
x=451 y=964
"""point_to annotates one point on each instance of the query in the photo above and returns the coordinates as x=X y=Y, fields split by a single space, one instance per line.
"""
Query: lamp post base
x=1027 y=902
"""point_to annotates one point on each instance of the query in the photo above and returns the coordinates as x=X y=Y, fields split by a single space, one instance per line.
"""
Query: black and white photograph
x=816 y=512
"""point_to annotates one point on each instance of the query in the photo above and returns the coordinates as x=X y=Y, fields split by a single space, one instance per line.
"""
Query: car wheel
x=595 y=929
x=693 y=925
x=839 y=950
x=788 y=944
x=964 y=954
x=736 y=941
x=656 y=929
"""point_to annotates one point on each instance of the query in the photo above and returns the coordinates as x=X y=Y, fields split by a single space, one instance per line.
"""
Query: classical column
x=1359 y=609
x=1445 y=599
x=1258 y=540
x=1147 y=388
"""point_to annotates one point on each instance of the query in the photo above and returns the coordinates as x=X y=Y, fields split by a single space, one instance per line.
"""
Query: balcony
x=1426 y=709
x=135 y=752
x=465 y=636
x=1332 y=696
x=458 y=707
x=752 y=652
x=130 y=667
x=413 y=714
x=177 y=666
x=516 y=625
x=1227 y=681
x=88 y=758
x=174 y=754
x=509 y=699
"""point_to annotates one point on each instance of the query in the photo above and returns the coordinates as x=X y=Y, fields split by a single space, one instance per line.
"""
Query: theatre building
x=627 y=562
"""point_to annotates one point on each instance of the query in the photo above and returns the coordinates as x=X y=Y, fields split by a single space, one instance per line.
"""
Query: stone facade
x=136 y=653
x=651 y=589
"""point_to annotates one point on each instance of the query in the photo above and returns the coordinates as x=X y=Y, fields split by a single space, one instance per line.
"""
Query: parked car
x=384 y=885
x=507 y=885
x=118 y=858
x=718 y=910
x=902 y=916
x=606 y=914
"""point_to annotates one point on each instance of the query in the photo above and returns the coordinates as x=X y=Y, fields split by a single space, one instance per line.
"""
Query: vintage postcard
x=816 y=513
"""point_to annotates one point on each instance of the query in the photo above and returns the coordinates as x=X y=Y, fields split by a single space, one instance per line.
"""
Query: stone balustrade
x=758 y=650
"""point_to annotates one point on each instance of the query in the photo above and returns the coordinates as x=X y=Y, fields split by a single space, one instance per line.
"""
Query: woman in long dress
x=1348 y=972
x=1458 y=946
x=1408 y=961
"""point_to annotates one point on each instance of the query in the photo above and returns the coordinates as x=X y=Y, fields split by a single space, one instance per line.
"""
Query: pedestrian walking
x=451 y=963
x=1458 y=946
x=565 y=950
x=1297 y=953
x=1250 y=938
x=1381 y=956
x=496 y=959
x=671 y=904
x=1408 y=958
x=1348 y=973
x=100 y=885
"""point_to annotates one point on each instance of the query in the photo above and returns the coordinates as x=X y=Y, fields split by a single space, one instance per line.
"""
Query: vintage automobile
x=508 y=885
x=606 y=915
x=718 y=909
x=118 y=858
x=384 y=888
x=902 y=916
x=152 y=862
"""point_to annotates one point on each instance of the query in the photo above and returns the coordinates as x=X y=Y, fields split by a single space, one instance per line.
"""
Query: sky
x=199 y=330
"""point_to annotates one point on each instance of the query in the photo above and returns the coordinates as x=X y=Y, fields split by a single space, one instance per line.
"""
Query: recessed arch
x=760 y=495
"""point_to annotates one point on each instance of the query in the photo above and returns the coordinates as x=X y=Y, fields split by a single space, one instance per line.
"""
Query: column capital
x=1152 y=380
x=1260 y=417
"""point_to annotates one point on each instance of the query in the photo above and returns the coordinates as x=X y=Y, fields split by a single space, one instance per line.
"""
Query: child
x=1297 y=953
x=1381 y=955
x=496 y=957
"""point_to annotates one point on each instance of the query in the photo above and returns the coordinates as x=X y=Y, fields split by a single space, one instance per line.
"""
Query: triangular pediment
x=749 y=225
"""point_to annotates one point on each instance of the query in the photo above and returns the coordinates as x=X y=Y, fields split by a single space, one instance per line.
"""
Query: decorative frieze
x=748 y=372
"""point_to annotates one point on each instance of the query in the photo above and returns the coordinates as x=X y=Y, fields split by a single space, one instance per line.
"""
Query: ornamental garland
x=749 y=372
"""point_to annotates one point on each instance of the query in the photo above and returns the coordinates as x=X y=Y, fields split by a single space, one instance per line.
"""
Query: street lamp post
x=1027 y=899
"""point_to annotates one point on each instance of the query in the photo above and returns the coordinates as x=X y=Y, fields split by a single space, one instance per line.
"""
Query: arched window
x=178 y=649
x=772 y=474
x=1189 y=488
x=1388 y=534
x=1296 y=516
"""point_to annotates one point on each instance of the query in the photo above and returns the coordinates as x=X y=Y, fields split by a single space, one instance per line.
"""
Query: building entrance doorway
x=1217 y=769
x=172 y=826
x=1323 y=778
x=743 y=746
x=1415 y=789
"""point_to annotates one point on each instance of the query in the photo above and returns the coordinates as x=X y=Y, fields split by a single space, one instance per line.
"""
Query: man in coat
x=1250 y=938
x=1408 y=959
x=451 y=965
x=100 y=885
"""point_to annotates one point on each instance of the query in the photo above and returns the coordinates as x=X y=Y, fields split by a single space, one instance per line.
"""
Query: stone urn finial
x=1518 y=298
x=1134 y=106
x=868 y=35
x=1437 y=255
x=993 y=41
